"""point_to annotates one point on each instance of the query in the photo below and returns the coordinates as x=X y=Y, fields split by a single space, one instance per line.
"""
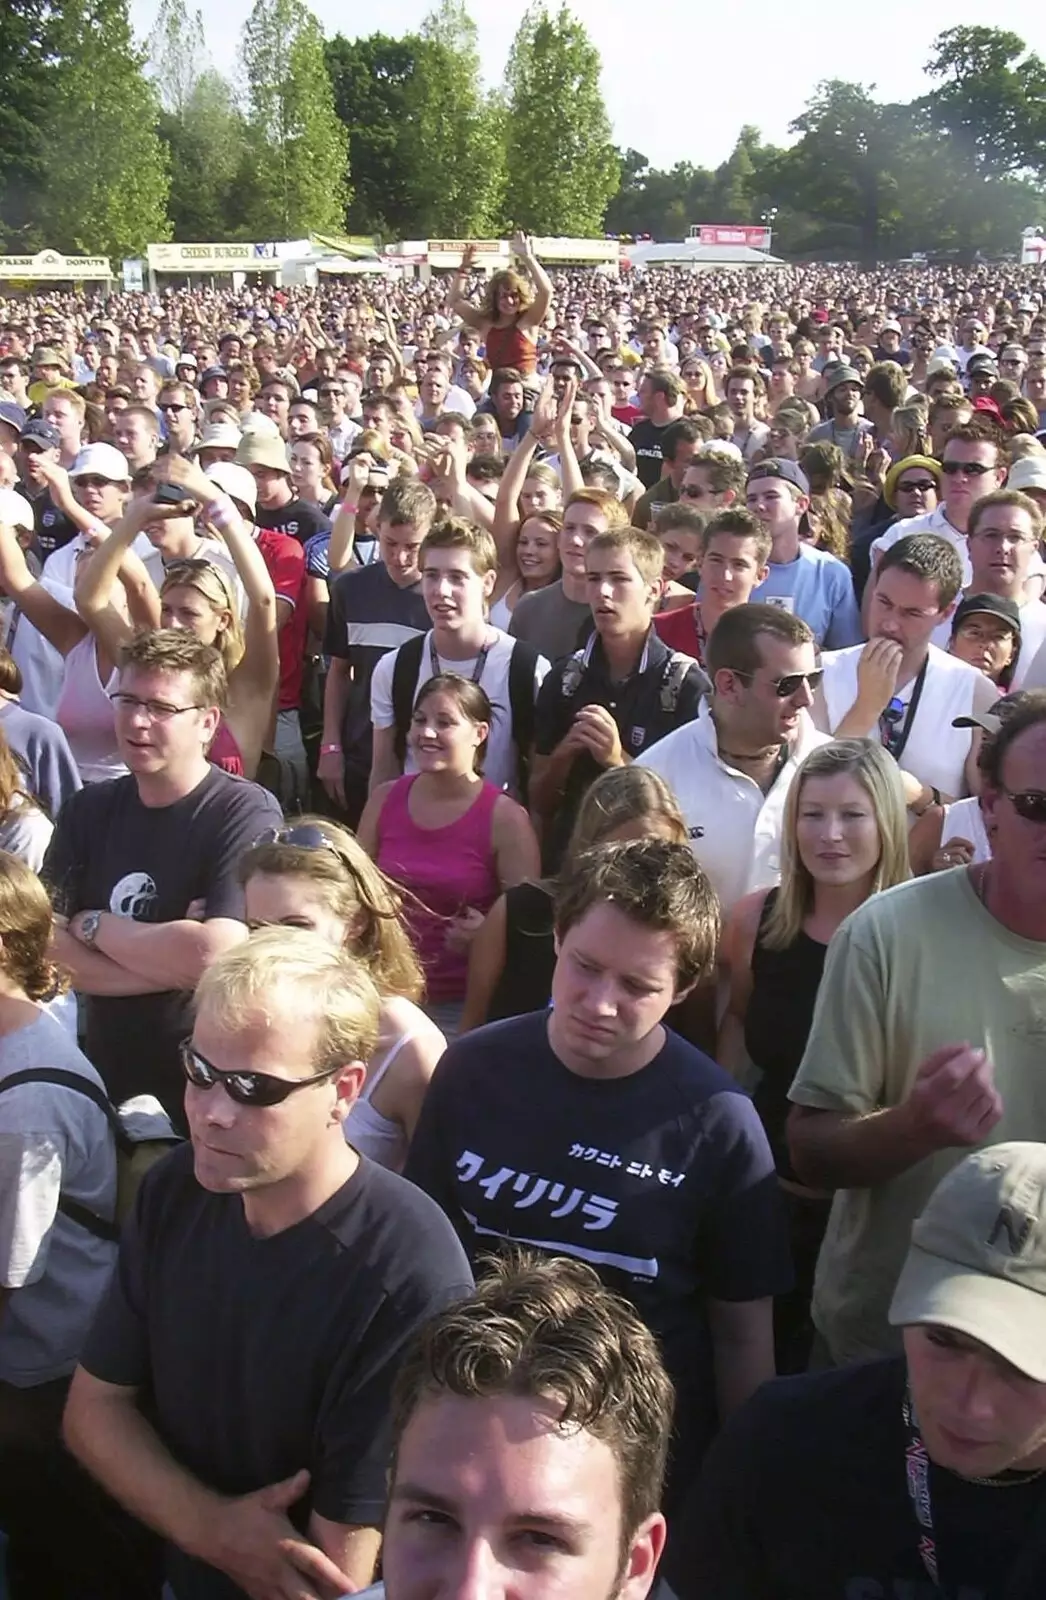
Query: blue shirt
x=819 y=588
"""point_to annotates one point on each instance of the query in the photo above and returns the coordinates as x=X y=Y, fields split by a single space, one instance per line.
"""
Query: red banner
x=719 y=233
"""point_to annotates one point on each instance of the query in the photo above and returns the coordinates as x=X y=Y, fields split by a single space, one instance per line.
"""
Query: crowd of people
x=523 y=937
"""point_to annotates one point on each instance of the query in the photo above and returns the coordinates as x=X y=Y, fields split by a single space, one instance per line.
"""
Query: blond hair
x=356 y=892
x=213 y=585
x=284 y=973
x=868 y=763
x=26 y=925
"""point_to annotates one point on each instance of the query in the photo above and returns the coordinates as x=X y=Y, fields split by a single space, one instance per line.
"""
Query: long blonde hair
x=356 y=892
x=879 y=777
x=619 y=796
x=211 y=583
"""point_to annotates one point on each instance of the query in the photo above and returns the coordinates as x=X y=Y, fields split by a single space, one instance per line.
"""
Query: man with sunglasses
x=927 y=1040
x=812 y=583
x=235 y=1391
x=129 y=857
x=732 y=766
x=176 y=407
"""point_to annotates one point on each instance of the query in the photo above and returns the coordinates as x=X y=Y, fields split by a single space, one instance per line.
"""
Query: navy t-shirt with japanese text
x=662 y=1181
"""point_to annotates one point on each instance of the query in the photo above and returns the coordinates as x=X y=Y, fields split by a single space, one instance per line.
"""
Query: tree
x=372 y=81
x=25 y=100
x=298 y=163
x=104 y=179
x=454 y=150
x=207 y=150
x=177 y=54
x=991 y=99
x=561 y=168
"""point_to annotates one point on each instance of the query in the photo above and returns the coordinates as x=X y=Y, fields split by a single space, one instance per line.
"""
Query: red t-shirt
x=626 y=414
x=678 y=629
x=285 y=560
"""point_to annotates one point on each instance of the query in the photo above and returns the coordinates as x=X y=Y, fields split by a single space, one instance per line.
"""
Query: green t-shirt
x=919 y=967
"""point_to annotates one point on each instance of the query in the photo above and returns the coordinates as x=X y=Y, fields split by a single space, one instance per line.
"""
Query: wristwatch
x=89 y=928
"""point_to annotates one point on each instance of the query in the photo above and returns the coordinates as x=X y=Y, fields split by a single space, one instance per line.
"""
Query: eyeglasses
x=325 y=392
x=246 y=1088
x=969 y=469
x=790 y=683
x=1029 y=804
x=692 y=491
x=916 y=486
x=305 y=836
x=92 y=481
x=155 y=710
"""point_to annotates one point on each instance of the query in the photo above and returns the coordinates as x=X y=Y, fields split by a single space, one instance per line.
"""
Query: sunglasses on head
x=791 y=682
x=305 y=835
x=246 y=1088
x=1029 y=804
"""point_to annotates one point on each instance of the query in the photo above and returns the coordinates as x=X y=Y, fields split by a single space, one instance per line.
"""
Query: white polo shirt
x=735 y=830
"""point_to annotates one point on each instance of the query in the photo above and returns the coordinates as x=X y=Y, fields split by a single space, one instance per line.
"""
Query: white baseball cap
x=237 y=483
x=15 y=510
x=101 y=461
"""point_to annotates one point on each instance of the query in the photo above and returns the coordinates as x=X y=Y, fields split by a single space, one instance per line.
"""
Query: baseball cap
x=991 y=721
x=890 y=326
x=1028 y=473
x=258 y=450
x=12 y=414
x=977 y=1259
x=185 y=360
x=942 y=364
x=839 y=373
x=39 y=432
x=218 y=436
x=237 y=483
x=1027 y=305
x=982 y=363
x=790 y=471
x=991 y=605
x=15 y=510
x=103 y=461
x=212 y=372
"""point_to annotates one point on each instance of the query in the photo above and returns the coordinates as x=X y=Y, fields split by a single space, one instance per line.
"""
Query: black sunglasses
x=1029 y=804
x=916 y=485
x=246 y=1088
x=784 y=687
x=971 y=469
x=306 y=836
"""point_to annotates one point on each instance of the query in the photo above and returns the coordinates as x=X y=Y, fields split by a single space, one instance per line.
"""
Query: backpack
x=522 y=666
x=135 y=1152
x=673 y=676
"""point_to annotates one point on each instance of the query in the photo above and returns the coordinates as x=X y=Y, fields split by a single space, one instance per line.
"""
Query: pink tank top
x=225 y=752
x=85 y=714
x=446 y=870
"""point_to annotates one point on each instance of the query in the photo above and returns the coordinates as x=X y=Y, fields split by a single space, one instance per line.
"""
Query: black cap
x=992 y=605
x=37 y=431
x=778 y=467
x=982 y=363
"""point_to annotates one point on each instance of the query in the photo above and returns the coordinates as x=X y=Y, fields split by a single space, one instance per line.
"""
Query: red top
x=511 y=347
x=680 y=630
x=225 y=752
x=626 y=414
x=285 y=560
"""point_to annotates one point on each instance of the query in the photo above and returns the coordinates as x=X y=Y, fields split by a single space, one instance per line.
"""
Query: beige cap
x=218 y=436
x=977 y=1261
x=257 y=451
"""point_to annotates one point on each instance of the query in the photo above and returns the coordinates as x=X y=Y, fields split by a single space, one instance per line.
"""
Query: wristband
x=330 y=749
x=353 y=510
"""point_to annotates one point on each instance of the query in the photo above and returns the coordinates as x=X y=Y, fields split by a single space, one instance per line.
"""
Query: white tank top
x=85 y=713
x=934 y=752
x=500 y=615
x=964 y=820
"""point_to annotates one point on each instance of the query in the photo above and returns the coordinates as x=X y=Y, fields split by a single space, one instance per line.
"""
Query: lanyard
x=895 y=738
x=477 y=670
x=917 y=1476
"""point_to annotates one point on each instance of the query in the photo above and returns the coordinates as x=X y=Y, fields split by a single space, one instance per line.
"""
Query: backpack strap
x=522 y=667
x=99 y=1226
x=405 y=671
x=676 y=668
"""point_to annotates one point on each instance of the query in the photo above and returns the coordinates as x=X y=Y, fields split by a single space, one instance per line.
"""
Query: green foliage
x=207 y=150
x=103 y=178
x=560 y=164
x=297 y=149
x=24 y=101
x=990 y=99
x=373 y=80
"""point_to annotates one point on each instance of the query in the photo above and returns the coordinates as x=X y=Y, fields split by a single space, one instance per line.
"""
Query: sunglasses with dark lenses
x=306 y=836
x=784 y=687
x=246 y=1088
x=916 y=485
x=1029 y=804
x=970 y=469
x=93 y=482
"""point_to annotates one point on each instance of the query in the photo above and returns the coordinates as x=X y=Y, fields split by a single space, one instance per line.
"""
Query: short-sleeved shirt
x=43 y=749
x=661 y=1180
x=663 y=493
x=645 y=440
x=111 y=853
x=285 y=560
x=261 y=1356
x=915 y=968
x=369 y=615
x=298 y=519
x=804 y=1496
x=550 y=621
x=52 y=528
x=817 y=587
x=646 y=706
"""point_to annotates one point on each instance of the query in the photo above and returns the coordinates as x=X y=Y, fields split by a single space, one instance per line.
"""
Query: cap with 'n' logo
x=977 y=1261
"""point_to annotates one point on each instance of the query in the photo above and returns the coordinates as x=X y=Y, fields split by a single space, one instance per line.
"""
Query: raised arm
x=98 y=575
x=569 y=466
x=57 y=480
x=343 y=528
x=535 y=313
x=458 y=302
x=59 y=626
x=507 y=516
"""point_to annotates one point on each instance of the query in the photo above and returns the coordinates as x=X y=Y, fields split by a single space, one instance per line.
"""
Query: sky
x=667 y=79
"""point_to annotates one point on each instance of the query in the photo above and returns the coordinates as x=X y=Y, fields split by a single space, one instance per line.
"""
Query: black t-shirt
x=368 y=616
x=645 y=440
x=109 y=852
x=52 y=528
x=261 y=1356
x=804 y=1497
x=663 y=1181
x=638 y=705
x=299 y=518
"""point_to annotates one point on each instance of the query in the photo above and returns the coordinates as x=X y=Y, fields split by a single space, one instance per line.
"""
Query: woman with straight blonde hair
x=844 y=838
x=314 y=875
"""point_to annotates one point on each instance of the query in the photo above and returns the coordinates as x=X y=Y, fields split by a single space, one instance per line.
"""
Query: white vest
x=934 y=752
x=964 y=820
